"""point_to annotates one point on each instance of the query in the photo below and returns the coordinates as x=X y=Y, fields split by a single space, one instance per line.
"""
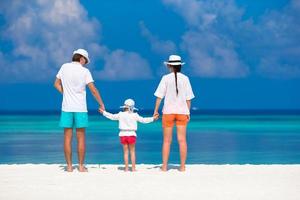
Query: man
x=71 y=81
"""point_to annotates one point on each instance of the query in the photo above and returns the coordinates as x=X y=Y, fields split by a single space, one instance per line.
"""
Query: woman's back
x=175 y=103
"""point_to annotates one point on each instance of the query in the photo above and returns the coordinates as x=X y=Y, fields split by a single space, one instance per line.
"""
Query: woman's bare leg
x=166 y=147
x=181 y=137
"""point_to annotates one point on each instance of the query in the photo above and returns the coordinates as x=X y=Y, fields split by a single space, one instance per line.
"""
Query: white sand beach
x=226 y=182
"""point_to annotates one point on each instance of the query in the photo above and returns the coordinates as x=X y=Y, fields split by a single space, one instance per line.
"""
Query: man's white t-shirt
x=74 y=78
x=173 y=103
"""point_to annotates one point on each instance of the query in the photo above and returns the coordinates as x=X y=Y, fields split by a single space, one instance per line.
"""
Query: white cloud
x=280 y=43
x=158 y=46
x=212 y=56
x=200 y=14
x=220 y=42
x=44 y=34
x=273 y=67
x=296 y=4
x=122 y=65
x=189 y=9
x=211 y=52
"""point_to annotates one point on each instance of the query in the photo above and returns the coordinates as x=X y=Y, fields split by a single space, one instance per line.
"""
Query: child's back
x=127 y=120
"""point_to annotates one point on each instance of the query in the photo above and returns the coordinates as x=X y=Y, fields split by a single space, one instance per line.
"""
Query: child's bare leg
x=125 y=150
x=132 y=156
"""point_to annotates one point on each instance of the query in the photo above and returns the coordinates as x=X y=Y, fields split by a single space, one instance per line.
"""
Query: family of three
x=175 y=88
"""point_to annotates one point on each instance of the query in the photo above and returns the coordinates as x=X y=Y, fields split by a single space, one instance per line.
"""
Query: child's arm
x=144 y=120
x=110 y=116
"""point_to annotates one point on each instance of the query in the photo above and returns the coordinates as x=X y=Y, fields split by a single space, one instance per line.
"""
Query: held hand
x=100 y=110
x=189 y=117
x=102 y=107
x=155 y=115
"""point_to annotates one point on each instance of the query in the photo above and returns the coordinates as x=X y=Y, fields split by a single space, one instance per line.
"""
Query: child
x=128 y=125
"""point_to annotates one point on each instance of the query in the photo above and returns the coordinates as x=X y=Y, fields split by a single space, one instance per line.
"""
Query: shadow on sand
x=64 y=167
x=170 y=167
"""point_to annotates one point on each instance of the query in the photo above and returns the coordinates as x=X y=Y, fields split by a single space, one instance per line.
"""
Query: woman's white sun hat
x=84 y=53
x=129 y=103
x=174 y=60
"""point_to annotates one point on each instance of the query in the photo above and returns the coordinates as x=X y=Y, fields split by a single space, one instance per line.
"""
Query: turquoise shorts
x=74 y=120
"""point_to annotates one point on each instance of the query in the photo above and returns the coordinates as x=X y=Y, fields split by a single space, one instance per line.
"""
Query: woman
x=175 y=87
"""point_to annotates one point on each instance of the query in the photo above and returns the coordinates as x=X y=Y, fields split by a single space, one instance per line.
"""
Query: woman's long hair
x=176 y=68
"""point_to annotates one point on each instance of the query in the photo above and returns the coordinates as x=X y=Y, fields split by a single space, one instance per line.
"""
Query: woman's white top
x=127 y=121
x=74 y=78
x=173 y=103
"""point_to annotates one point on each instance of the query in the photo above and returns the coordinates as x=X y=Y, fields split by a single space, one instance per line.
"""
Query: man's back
x=74 y=78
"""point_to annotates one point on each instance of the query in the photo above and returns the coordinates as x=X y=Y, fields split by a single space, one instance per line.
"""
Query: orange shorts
x=168 y=120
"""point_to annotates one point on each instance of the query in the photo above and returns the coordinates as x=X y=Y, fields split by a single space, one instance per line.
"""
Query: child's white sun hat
x=174 y=60
x=84 y=53
x=129 y=103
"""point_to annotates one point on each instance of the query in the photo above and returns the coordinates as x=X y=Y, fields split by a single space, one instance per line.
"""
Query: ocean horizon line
x=155 y=164
x=150 y=111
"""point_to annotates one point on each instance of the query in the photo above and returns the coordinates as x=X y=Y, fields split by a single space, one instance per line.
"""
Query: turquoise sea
x=213 y=138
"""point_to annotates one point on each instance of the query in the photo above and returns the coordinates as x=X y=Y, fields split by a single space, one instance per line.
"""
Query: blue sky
x=239 y=54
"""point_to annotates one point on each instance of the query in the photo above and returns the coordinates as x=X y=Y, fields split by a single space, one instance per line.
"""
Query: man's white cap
x=129 y=103
x=84 y=53
x=174 y=60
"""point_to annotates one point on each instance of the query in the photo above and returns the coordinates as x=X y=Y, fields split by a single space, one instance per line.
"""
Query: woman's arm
x=157 y=104
x=189 y=102
x=58 y=85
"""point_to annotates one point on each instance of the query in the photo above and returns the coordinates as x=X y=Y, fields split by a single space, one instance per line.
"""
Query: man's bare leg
x=68 y=148
x=80 y=133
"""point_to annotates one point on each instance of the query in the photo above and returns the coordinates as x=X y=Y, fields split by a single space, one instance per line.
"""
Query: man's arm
x=58 y=85
x=97 y=95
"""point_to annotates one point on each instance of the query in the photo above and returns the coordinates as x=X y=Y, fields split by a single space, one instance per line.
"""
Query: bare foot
x=126 y=169
x=133 y=169
x=164 y=168
x=182 y=169
x=69 y=168
x=82 y=168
